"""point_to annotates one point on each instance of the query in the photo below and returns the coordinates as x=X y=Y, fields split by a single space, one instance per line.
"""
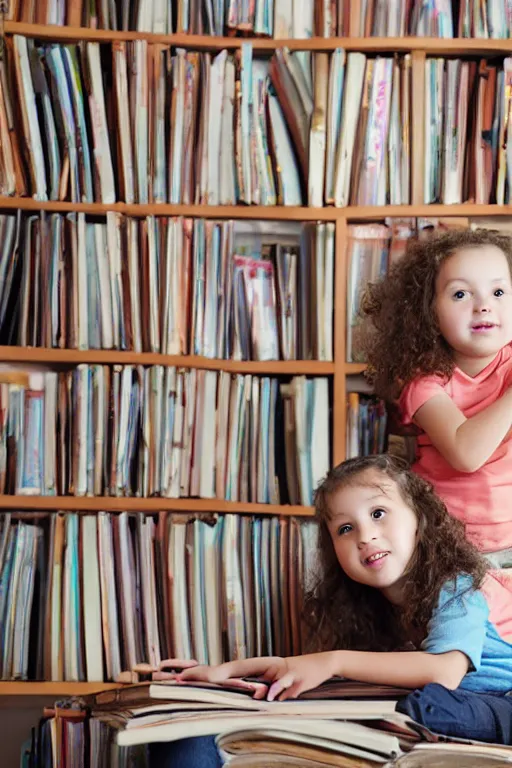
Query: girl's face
x=473 y=304
x=374 y=532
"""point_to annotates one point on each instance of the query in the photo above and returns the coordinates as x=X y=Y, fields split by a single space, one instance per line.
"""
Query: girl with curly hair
x=438 y=344
x=397 y=602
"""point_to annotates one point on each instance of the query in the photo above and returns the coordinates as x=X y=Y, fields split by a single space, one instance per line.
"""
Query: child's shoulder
x=418 y=391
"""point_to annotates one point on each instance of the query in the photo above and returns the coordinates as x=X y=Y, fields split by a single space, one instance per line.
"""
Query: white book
x=109 y=609
x=198 y=599
x=132 y=228
x=227 y=184
x=171 y=312
x=207 y=454
x=91 y=600
x=327 y=320
x=319 y=445
x=102 y=154
x=211 y=577
x=283 y=19
x=173 y=489
x=214 y=126
x=154 y=283
x=141 y=119
x=82 y=284
x=222 y=429
x=101 y=255
x=115 y=281
x=29 y=115
x=149 y=601
x=123 y=111
x=290 y=188
x=178 y=585
x=51 y=383
x=356 y=65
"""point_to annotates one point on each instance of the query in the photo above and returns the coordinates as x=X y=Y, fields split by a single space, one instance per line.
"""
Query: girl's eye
x=377 y=514
x=459 y=295
x=344 y=529
x=499 y=292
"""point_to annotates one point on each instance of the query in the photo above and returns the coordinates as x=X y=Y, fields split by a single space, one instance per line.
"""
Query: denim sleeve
x=459 y=621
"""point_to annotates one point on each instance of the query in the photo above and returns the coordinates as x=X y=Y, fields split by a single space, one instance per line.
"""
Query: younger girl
x=396 y=572
x=440 y=327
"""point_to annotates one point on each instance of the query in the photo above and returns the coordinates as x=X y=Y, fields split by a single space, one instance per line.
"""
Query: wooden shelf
x=65 y=357
x=442 y=46
x=286 y=213
x=23 y=688
x=257 y=212
x=354 y=368
x=148 y=506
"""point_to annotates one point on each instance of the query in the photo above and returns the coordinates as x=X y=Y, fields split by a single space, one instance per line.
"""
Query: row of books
x=163 y=431
x=231 y=290
x=278 y=18
x=296 y=128
x=467 y=131
x=373 y=247
x=366 y=425
x=89 y=597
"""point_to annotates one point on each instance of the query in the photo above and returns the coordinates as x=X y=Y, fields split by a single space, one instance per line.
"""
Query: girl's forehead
x=475 y=258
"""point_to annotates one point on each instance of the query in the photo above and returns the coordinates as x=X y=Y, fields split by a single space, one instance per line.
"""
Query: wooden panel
x=111 y=356
x=149 y=506
x=456 y=46
x=19 y=688
x=261 y=212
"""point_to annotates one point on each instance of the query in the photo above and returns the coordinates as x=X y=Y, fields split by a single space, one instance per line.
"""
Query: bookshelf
x=337 y=370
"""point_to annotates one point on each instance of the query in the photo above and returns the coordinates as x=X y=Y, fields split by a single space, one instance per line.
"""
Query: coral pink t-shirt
x=481 y=499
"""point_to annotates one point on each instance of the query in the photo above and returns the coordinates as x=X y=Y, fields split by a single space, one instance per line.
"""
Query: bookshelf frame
x=339 y=369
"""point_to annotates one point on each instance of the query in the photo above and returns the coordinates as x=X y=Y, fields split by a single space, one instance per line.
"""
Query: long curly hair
x=400 y=335
x=340 y=613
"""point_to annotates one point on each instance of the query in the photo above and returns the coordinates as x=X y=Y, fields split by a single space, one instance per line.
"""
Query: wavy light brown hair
x=343 y=614
x=401 y=337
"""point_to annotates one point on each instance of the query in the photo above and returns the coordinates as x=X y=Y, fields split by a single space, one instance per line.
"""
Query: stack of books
x=338 y=724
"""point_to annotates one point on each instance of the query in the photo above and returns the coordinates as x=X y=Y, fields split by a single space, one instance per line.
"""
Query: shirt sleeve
x=459 y=622
x=417 y=393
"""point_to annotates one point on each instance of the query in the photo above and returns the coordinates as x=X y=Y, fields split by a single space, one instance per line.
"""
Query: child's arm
x=466 y=444
x=293 y=675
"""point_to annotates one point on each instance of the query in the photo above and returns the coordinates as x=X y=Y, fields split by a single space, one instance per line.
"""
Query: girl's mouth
x=376 y=560
x=482 y=327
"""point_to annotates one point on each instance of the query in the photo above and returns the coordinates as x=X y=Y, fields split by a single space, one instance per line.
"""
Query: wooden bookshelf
x=23 y=688
x=431 y=45
x=257 y=212
x=339 y=369
x=72 y=357
x=147 y=505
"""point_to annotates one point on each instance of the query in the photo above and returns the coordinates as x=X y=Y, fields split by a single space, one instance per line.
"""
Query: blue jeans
x=459 y=713
x=185 y=753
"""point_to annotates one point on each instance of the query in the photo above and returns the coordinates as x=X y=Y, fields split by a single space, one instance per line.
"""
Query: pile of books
x=88 y=597
x=338 y=724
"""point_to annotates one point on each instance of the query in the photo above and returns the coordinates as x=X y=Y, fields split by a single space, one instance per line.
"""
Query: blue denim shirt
x=460 y=622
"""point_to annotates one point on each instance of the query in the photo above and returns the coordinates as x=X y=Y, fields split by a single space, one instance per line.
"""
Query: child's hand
x=289 y=676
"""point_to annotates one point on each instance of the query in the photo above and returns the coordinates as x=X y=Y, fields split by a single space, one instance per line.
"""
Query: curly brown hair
x=341 y=613
x=400 y=337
